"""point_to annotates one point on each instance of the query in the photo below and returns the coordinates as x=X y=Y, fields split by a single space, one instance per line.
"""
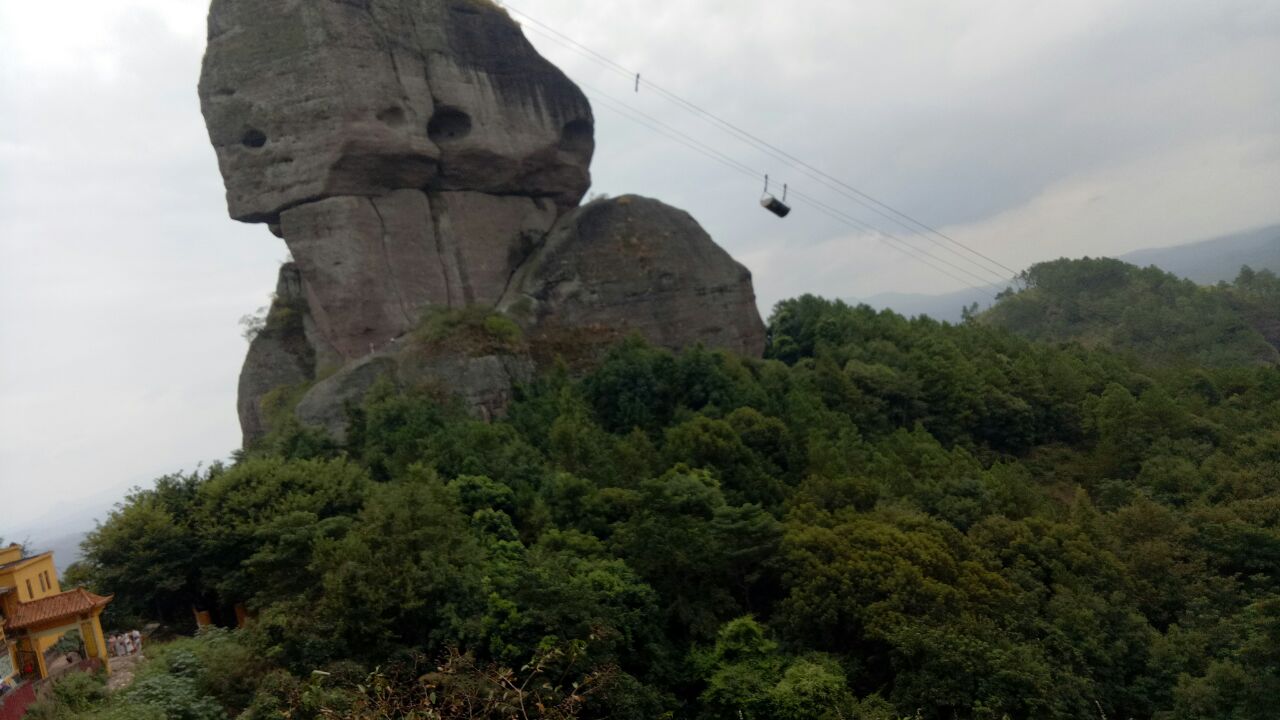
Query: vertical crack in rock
x=389 y=46
x=515 y=267
x=453 y=281
x=392 y=275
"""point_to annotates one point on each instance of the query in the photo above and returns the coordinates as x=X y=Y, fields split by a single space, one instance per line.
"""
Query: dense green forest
x=885 y=518
x=1158 y=316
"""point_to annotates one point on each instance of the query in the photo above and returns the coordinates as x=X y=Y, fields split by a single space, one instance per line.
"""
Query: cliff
x=416 y=155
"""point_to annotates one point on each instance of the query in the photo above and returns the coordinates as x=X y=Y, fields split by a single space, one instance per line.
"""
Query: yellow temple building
x=35 y=613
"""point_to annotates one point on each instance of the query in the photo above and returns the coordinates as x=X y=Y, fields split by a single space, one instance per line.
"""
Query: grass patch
x=279 y=404
x=474 y=330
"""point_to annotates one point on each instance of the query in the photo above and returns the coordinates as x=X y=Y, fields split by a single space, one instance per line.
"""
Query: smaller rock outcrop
x=485 y=385
x=635 y=265
x=281 y=355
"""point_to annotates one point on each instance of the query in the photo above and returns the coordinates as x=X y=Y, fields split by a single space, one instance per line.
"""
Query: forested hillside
x=1155 y=315
x=886 y=518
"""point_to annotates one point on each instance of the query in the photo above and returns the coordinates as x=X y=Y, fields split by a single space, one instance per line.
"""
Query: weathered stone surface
x=484 y=384
x=633 y=264
x=325 y=405
x=374 y=264
x=280 y=355
x=484 y=239
x=311 y=99
x=420 y=154
x=370 y=265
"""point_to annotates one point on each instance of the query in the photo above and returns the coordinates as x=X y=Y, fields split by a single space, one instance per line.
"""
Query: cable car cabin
x=775 y=206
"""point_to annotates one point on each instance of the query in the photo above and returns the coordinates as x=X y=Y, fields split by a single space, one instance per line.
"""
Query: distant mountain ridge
x=1205 y=262
x=1218 y=260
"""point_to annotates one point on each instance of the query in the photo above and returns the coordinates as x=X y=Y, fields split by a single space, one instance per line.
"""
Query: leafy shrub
x=460 y=688
x=174 y=697
x=74 y=693
x=474 y=330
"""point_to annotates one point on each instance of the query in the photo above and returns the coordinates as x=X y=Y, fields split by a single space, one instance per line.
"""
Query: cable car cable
x=654 y=123
x=815 y=175
x=882 y=235
x=867 y=200
x=901 y=245
x=552 y=33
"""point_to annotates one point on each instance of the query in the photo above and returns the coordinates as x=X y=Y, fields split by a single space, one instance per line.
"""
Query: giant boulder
x=405 y=149
x=418 y=155
x=311 y=99
x=635 y=265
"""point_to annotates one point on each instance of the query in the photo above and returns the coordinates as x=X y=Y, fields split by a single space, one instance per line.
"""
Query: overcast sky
x=1027 y=129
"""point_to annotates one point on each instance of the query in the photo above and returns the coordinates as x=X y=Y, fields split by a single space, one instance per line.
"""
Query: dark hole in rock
x=392 y=116
x=254 y=139
x=578 y=136
x=448 y=124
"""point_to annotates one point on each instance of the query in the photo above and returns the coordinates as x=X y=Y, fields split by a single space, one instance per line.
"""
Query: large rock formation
x=419 y=154
x=312 y=99
x=636 y=265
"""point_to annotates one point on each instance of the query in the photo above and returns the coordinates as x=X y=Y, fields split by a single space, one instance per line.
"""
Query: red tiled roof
x=69 y=605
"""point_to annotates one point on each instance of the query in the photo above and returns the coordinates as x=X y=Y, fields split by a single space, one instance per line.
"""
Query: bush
x=175 y=697
x=472 y=330
x=217 y=664
x=68 y=643
x=73 y=693
x=912 y=516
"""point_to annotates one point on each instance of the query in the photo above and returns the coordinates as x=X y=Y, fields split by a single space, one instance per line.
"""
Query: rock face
x=485 y=383
x=283 y=354
x=419 y=154
x=311 y=99
x=635 y=265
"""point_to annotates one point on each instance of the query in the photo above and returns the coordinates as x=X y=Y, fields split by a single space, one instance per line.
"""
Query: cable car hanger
x=773 y=204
